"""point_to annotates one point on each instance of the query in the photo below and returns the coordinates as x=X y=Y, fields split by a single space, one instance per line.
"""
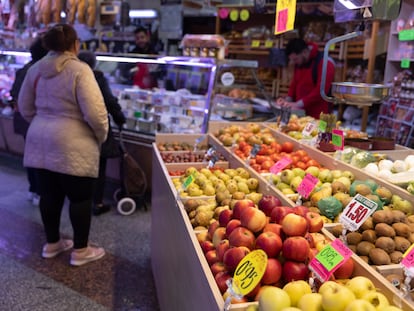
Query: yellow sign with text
x=285 y=16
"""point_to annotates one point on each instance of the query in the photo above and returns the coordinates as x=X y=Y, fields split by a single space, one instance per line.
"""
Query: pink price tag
x=338 y=139
x=329 y=259
x=280 y=165
x=223 y=13
x=282 y=20
x=307 y=185
x=408 y=258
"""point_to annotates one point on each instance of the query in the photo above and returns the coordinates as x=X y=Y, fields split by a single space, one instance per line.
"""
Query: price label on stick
x=356 y=212
x=330 y=258
x=338 y=139
x=188 y=181
x=307 y=185
x=280 y=165
x=309 y=128
x=322 y=126
x=255 y=150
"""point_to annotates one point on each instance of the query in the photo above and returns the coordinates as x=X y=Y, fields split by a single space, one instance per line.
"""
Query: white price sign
x=356 y=212
x=309 y=128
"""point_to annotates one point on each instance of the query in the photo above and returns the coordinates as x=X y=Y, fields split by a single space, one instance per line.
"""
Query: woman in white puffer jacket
x=68 y=122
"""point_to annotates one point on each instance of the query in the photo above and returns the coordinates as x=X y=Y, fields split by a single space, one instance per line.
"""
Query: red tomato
x=287 y=146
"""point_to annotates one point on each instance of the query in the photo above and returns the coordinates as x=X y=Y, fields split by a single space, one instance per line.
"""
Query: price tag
x=338 y=139
x=188 y=181
x=255 y=43
x=244 y=15
x=285 y=117
x=234 y=15
x=308 y=129
x=280 y=165
x=255 y=150
x=227 y=78
x=405 y=63
x=322 y=126
x=249 y=272
x=269 y=43
x=408 y=257
x=214 y=158
x=307 y=185
x=330 y=258
x=356 y=212
x=223 y=13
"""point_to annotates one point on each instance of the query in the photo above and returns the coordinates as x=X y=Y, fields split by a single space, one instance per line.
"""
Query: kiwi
x=367 y=224
x=353 y=238
x=401 y=229
x=411 y=226
x=410 y=218
x=369 y=235
x=385 y=243
x=382 y=229
x=396 y=256
x=382 y=216
x=363 y=248
x=379 y=257
x=337 y=230
x=398 y=216
x=353 y=248
x=411 y=238
x=401 y=244
x=365 y=258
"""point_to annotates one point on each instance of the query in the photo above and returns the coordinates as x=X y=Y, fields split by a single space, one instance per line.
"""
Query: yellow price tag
x=249 y=272
x=244 y=15
x=234 y=15
x=255 y=43
x=332 y=47
x=269 y=43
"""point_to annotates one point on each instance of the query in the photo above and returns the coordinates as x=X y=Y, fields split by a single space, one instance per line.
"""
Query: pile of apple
x=179 y=146
x=290 y=236
x=356 y=294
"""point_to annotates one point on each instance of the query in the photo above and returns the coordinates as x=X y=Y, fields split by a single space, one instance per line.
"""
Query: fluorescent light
x=16 y=53
x=348 y=4
x=143 y=13
x=124 y=59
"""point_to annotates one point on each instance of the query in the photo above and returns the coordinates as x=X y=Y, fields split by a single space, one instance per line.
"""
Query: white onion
x=385 y=165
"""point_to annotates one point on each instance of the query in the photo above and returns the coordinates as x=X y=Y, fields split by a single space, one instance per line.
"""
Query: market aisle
x=121 y=281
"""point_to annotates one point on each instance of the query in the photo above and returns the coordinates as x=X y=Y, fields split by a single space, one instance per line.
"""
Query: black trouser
x=54 y=187
x=99 y=188
x=32 y=178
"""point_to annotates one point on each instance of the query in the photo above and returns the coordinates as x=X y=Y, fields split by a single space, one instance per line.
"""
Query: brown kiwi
x=385 y=243
x=363 y=248
x=353 y=248
x=337 y=230
x=382 y=216
x=396 y=256
x=382 y=229
x=365 y=258
x=411 y=226
x=401 y=244
x=379 y=257
x=411 y=238
x=401 y=229
x=398 y=216
x=410 y=218
x=353 y=238
x=367 y=224
x=369 y=236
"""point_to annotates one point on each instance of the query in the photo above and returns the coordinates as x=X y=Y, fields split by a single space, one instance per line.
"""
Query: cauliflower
x=361 y=159
x=399 y=166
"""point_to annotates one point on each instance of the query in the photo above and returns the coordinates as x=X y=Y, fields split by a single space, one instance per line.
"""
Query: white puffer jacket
x=68 y=119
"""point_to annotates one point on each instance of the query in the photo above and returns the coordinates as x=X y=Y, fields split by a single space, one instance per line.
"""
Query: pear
x=287 y=176
x=238 y=195
x=346 y=181
x=338 y=187
x=402 y=205
x=209 y=190
x=254 y=196
x=349 y=175
x=252 y=183
x=243 y=187
x=325 y=176
x=299 y=172
x=241 y=171
x=363 y=189
x=296 y=181
x=344 y=198
x=320 y=194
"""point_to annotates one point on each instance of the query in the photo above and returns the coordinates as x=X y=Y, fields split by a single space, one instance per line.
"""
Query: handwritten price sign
x=356 y=212
x=307 y=185
x=280 y=165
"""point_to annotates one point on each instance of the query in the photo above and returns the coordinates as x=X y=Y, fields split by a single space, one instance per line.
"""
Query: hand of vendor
x=288 y=103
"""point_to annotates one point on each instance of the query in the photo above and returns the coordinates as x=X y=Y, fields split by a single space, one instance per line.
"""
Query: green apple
x=287 y=176
x=296 y=181
x=325 y=176
x=378 y=300
x=282 y=185
x=298 y=171
x=346 y=181
x=273 y=298
x=335 y=296
x=360 y=305
x=313 y=170
x=336 y=174
x=310 y=302
x=296 y=290
x=360 y=285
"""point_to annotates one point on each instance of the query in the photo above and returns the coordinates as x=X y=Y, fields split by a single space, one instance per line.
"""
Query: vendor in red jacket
x=304 y=89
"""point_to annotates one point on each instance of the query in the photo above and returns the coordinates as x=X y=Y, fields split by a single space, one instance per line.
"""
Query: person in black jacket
x=20 y=125
x=109 y=148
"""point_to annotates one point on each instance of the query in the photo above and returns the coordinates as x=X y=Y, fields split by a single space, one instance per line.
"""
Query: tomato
x=287 y=146
x=301 y=153
x=313 y=162
x=266 y=165
x=301 y=165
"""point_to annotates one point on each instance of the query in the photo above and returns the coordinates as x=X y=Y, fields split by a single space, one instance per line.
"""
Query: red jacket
x=303 y=88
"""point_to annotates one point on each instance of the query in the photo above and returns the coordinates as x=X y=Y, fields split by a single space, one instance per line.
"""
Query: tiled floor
x=122 y=280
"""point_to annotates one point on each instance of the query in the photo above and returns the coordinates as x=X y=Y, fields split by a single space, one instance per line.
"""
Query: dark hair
x=60 y=38
x=296 y=46
x=141 y=29
x=88 y=57
x=37 y=50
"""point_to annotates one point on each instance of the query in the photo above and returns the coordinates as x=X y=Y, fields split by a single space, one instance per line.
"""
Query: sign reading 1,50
x=247 y=274
x=358 y=213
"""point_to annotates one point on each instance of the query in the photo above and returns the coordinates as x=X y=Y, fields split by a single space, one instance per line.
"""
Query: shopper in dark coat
x=20 y=125
x=110 y=147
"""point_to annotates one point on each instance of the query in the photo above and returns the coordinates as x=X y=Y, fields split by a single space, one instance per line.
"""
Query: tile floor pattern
x=122 y=280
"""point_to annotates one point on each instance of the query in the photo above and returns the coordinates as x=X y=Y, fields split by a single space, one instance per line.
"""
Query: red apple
x=253 y=219
x=211 y=257
x=217 y=267
x=270 y=243
x=206 y=246
x=233 y=224
x=241 y=205
x=315 y=221
x=300 y=210
x=293 y=271
x=242 y=236
x=233 y=256
x=294 y=225
x=221 y=279
x=225 y=216
x=275 y=228
x=267 y=203
x=218 y=235
x=314 y=238
x=346 y=270
x=211 y=228
x=223 y=246
x=296 y=248
x=279 y=212
x=273 y=272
